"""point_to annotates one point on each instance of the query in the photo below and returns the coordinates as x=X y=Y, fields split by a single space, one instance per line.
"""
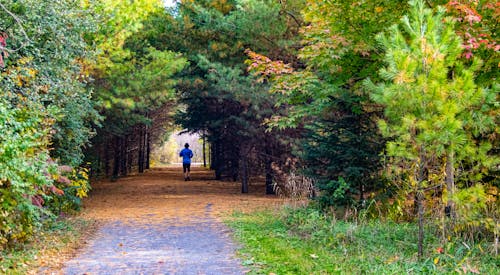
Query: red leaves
x=265 y=67
x=63 y=179
x=3 y=45
x=56 y=190
x=37 y=200
x=471 y=25
x=3 y=40
x=65 y=169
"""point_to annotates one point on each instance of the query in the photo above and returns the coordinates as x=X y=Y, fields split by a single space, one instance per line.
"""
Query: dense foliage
x=341 y=148
x=46 y=112
x=433 y=109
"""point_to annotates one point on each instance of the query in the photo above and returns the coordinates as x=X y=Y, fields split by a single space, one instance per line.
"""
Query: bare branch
x=19 y=22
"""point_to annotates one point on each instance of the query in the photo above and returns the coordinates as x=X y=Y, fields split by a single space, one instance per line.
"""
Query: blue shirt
x=186 y=155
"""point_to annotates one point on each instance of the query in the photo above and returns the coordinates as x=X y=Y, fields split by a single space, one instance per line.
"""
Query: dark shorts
x=186 y=167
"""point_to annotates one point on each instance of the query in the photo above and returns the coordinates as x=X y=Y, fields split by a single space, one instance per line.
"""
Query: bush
x=74 y=185
x=23 y=171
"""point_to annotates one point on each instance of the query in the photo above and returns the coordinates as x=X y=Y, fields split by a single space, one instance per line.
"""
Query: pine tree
x=433 y=108
x=341 y=153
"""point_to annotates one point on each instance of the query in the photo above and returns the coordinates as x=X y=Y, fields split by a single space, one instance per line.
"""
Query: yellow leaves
x=81 y=193
x=81 y=182
x=25 y=60
x=430 y=54
x=436 y=260
x=44 y=89
x=85 y=3
x=402 y=77
x=379 y=9
x=222 y=5
x=24 y=75
x=392 y=260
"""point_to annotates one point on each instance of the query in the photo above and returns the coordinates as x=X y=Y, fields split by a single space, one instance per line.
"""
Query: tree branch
x=18 y=21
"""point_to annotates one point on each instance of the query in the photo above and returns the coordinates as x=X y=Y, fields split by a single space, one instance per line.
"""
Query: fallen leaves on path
x=162 y=194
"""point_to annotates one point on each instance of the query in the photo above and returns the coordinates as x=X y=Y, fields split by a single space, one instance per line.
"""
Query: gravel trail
x=157 y=223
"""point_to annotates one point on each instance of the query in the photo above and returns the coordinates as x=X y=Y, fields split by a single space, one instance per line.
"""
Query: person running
x=186 y=155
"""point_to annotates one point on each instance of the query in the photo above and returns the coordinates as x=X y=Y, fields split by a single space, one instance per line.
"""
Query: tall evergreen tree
x=325 y=94
x=133 y=83
x=432 y=106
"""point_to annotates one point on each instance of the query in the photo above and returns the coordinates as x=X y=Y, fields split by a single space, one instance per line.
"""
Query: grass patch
x=48 y=249
x=304 y=241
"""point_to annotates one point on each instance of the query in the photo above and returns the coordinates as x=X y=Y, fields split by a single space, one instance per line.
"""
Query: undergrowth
x=305 y=241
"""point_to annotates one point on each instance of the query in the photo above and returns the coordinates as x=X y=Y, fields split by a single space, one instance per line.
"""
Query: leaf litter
x=144 y=202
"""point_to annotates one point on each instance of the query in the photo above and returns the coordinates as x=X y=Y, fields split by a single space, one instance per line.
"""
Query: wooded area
x=387 y=108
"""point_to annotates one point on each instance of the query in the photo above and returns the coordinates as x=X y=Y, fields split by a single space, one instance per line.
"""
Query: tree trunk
x=362 y=194
x=213 y=148
x=218 y=160
x=210 y=155
x=140 y=157
x=269 y=173
x=130 y=158
x=421 y=176
x=235 y=168
x=148 y=148
x=420 y=225
x=123 y=166
x=106 y=158
x=116 y=162
x=204 y=155
x=450 y=186
x=244 y=178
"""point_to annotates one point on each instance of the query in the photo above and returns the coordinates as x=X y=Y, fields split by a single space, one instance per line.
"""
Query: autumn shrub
x=32 y=187
x=477 y=213
x=74 y=185
x=46 y=112
x=23 y=171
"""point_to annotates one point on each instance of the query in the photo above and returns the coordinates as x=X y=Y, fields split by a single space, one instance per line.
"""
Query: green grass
x=47 y=248
x=303 y=241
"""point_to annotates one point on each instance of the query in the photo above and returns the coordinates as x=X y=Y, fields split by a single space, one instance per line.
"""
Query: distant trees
x=220 y=100
x=133 y=88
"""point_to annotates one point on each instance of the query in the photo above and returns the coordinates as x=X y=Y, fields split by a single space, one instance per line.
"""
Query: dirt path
x=157 y=223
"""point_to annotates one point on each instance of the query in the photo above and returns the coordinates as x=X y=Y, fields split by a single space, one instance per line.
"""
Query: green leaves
x=435 y=113
x=23 y=168
x=46 y=111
